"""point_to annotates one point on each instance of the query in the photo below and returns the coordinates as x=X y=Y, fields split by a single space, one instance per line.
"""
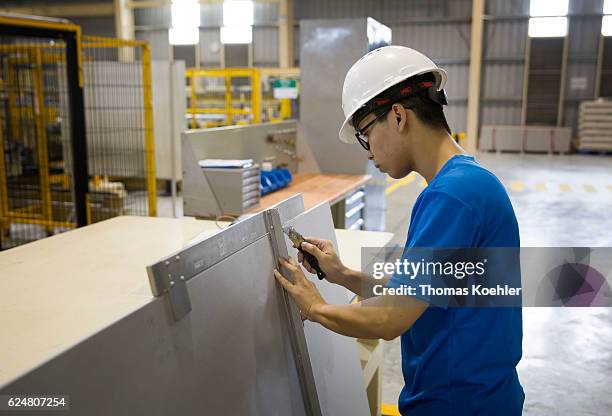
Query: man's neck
x=433 y=155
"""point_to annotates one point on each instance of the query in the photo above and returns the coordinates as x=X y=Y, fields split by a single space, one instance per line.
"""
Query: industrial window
x=548 y=27
x=548 y=19
x=185 y=16
x=606 y=23
x=544 y=81
x=238 y=16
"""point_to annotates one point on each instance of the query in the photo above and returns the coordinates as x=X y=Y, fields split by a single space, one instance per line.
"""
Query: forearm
x=385 y=317
x=352 y=320
x=360 y=283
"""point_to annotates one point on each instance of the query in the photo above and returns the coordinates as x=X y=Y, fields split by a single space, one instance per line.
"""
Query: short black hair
x=426 y=110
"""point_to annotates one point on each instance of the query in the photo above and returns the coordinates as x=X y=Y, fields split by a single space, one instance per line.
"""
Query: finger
x=296 y=271
x=316 y=241
x=283 y=281
x=289 y=263
x=285 y=263
x=304 y=262
x=312 y=249
x=313 y=239
x=308 y=267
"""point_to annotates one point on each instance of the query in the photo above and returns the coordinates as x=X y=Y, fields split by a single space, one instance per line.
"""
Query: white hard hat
x=376 y=72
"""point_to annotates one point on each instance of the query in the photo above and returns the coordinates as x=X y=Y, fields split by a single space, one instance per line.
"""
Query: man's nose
x=370 y=155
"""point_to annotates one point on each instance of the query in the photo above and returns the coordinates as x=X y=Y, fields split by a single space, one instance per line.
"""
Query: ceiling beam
x=64 y=10
x=156 y=4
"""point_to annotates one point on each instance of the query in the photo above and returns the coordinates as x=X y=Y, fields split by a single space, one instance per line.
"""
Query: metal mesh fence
x=118 y=116
x=37 y=169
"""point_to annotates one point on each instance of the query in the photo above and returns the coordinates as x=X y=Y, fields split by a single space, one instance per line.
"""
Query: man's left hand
x=303 y=291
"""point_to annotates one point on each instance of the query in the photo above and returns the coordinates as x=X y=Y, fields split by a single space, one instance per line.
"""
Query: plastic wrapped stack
x=595 y=126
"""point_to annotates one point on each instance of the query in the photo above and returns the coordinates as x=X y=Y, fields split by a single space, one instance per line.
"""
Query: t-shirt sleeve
x=441 y=221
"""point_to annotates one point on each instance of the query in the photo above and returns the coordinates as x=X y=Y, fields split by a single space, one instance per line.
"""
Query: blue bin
x=273 y=180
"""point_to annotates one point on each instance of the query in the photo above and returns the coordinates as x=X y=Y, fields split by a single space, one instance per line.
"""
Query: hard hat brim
x=347 y=132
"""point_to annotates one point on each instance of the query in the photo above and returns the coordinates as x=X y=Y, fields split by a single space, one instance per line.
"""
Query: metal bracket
x=167 y=277
x=170 y=275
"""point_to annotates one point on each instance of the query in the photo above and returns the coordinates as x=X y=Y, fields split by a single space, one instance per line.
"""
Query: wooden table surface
x=315 y=189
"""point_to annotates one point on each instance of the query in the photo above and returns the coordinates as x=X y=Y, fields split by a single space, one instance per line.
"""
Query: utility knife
x=297 y=239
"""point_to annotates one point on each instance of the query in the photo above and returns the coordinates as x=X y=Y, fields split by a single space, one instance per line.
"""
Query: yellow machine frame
x=285 y=103
x=255 y=75
x=227 y=73
x=40 y=113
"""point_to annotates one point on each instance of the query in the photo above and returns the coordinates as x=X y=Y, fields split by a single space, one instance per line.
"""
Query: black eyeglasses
x=362 y=136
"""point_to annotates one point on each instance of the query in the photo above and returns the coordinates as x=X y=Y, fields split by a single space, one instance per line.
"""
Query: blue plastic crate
x=273 y=180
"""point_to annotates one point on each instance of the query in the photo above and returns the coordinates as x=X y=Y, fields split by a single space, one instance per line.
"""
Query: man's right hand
x=329 y=261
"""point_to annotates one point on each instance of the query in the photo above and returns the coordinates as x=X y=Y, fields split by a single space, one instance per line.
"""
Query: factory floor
x=559 y=201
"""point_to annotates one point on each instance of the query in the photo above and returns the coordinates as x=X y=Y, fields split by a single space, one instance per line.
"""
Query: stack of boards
x=595 y=126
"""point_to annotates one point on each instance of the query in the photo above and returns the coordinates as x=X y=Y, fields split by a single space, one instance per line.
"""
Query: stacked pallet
x=595 y=126
x=534 y=139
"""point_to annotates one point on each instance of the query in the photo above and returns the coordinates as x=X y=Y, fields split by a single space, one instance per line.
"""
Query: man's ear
x=397 y=109
x=396 y=112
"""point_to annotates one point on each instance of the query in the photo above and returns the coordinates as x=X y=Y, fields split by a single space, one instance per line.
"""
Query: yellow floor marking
x=389 y=410
x=541 y=187
x=517 y=186
x=423 y=183
x=565 y=187
x=590 y=189
x=401 y=182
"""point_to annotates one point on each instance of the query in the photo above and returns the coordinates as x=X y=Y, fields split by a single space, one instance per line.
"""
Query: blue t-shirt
x=462 y=361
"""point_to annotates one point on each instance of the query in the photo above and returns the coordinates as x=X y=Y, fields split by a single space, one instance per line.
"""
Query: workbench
x=342 y=192
x=58 y=291
x=351 y=184
x=315 y=188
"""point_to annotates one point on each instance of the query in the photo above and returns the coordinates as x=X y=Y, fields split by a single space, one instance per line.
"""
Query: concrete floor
x=567 y=353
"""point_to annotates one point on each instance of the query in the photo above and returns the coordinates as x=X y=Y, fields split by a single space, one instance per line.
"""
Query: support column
x=285 y=33
x=124 y=27
x=124 y=20
x=475 y=75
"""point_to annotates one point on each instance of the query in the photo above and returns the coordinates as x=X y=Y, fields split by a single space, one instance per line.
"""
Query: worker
x=455 y=361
